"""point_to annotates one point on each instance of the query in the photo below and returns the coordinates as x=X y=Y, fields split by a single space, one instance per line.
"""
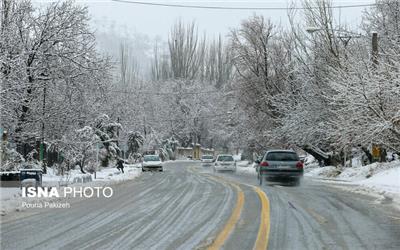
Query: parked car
x=30 y=178
x=152 y=162
x=207 y=160
x=281 y=163
x=225 y=162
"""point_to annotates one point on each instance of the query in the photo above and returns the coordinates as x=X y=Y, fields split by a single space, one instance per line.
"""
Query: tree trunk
x=368 y=154
x=383 y=155
x=318 y=154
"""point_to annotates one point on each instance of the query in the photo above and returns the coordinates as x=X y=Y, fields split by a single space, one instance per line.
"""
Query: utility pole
x=194 y=139
x=374 y=57
x=41 y=153
x=375 y=49
x=118 y=128
x=144 y=126
x=118 y=136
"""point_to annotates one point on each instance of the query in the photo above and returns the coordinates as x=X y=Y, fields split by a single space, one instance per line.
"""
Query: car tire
x=296 y=182
x=260 y=180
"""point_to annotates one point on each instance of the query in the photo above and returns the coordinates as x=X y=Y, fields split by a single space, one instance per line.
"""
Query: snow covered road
x=190 y=207
x=318 y=215
x=177 y=209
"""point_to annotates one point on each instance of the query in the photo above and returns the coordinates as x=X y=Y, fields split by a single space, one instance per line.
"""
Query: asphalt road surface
x=190 y=207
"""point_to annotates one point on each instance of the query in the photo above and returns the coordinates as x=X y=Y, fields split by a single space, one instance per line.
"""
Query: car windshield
x=282 y=156
x=207 y=157
x=225 y=158
x=151 y=158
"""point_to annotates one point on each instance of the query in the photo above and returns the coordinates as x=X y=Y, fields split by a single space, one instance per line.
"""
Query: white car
x=225 y=162
x=207 y=160
x=152 y=162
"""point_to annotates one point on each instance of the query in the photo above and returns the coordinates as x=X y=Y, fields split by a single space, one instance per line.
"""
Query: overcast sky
x=156 y=20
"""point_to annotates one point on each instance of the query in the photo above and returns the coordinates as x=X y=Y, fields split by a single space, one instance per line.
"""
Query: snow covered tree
x=79 y=147
x=10 y=159
x=51 y=74
x=135 y=141
x=107 y=131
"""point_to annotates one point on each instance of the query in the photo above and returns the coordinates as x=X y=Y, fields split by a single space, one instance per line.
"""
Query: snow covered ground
x=11 y=197
x=245 y=167
x=378 y=179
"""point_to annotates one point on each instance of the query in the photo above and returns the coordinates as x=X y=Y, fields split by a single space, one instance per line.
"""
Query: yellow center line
x=230 y=225
x=263 y=231
x=319 y=218
x=264 y=228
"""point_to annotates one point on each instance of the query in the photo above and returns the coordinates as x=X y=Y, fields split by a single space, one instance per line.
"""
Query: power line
x=239 y=8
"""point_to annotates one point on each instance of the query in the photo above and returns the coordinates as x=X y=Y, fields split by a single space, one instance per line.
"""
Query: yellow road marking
x=319 y=218
x=230 y=225
x=263 y=231
x=264 y=228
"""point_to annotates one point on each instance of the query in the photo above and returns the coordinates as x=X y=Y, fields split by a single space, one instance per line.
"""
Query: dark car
x=31 y=177
x=284 y=164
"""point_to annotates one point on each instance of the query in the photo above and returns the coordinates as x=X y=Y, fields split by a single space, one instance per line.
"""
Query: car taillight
x=299 y=164
x=264 y=164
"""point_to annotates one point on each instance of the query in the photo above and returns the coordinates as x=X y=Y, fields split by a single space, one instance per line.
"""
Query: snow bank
x=325 y=172
x=376 y=179
x=237 y=157
x=387 y=181
x=243 y=163
x=113 y=175
x=83 y=178
x=245 y=167
x=350 y=174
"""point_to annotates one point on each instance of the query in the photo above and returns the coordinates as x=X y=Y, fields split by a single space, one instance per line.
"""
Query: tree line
x=264 y=85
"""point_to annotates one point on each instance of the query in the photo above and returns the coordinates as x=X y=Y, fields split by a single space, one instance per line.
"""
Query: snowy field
x=11 y=197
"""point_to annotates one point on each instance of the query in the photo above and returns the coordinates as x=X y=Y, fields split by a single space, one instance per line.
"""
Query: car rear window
x=207 y=157
x=151 y=158
x=225 y=158
x=282 y=156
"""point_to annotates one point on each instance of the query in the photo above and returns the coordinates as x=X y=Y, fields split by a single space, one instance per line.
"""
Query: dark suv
x=280 y=163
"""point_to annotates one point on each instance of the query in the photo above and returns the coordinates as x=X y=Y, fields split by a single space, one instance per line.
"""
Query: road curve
x=318 y=215
x=177 y=209
x=190 y=207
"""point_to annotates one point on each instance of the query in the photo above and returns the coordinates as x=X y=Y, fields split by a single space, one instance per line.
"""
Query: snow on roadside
x=382 y=179
x=11 y=199
x=325 y=172
x=387 y=181
x=113 y=175
x=245 y=167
